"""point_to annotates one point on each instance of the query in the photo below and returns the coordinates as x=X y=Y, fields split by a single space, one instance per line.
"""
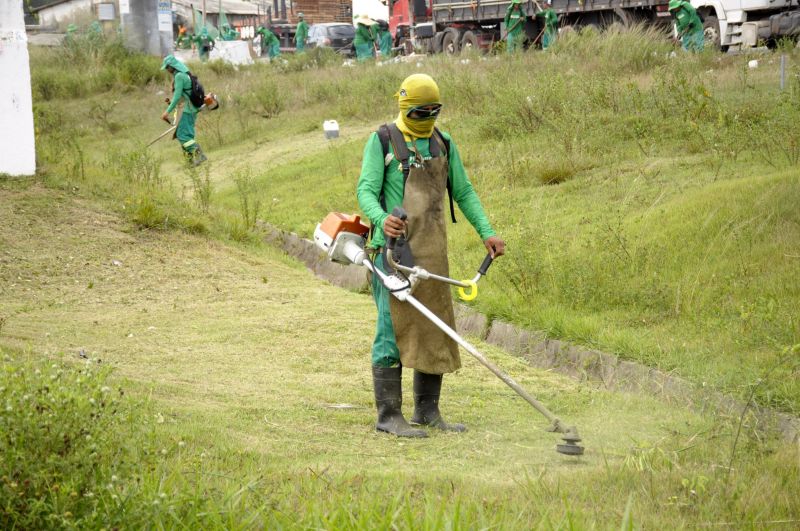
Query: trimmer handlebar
x=398 y=212
x=485 y=264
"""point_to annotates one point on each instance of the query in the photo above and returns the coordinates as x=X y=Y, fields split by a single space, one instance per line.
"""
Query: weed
x=249 y=198
x=202 y=186
x=101 y=113
x=139 y=167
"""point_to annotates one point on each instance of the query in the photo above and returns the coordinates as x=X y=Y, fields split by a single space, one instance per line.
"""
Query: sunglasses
x=425 y=111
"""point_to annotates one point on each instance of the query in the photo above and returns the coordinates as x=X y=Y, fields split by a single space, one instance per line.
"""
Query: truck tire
x=712 y=33
x=450 y=42
x=437 y=42
x=470 y=42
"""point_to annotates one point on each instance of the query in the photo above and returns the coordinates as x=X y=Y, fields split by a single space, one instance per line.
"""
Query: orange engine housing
x=336 y=222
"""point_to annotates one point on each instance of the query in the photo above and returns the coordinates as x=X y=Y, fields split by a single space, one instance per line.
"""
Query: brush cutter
x=210 y=103
x=343 y=238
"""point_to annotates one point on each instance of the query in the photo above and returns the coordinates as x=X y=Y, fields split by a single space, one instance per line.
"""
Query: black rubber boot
x=427 y=389
x=389 y=401
x=198 y=157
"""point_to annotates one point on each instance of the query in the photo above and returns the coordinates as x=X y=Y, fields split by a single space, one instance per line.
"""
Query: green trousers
x=693 y=42
x=384 y=348
x=185 y=132
x=365 y=51
x=514 y=41
x=301 y=46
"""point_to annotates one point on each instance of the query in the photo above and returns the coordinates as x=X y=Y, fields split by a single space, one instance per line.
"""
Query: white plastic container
x=331 y=128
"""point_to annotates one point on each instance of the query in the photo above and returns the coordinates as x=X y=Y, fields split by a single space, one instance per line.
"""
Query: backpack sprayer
x=343 y=238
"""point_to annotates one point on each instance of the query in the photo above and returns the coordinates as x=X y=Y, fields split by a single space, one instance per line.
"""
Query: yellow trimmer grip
x=473 y=291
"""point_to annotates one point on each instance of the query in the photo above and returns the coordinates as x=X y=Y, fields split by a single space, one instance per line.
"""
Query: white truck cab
x=745 y=23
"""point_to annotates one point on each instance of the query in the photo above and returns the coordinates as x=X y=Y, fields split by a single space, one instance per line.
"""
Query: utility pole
x=147 y=26
x=17 y=144
x=204 y=13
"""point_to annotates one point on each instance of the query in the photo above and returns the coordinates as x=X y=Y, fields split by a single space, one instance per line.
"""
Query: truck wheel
x=712 y=34
x=450 y=42
x=469 y=42
x=437 y=42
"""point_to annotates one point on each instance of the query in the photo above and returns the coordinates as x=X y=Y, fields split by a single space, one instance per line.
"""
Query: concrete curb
x=582 y=364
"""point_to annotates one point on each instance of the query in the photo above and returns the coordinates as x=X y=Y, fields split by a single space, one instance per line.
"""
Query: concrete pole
x=17 y=147
x=147 y=26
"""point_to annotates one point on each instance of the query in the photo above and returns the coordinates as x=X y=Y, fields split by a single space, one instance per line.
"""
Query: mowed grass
x=648 y=201
x=248 y=404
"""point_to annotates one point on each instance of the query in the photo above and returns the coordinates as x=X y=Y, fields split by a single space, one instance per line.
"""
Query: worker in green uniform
x=182 y=89
x=550 y=31
x=515 y=26
x=404 y=338
x=364 y=41
x=688 y=25
x=269 y=42
x=205 y=43
x=69 y=36
x=184 y=41
x=384 y=39
x=227 y=33
x=301 y=35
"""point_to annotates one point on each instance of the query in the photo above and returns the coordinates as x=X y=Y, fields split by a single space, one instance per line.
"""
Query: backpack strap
x=391 y=134
x=443 y=142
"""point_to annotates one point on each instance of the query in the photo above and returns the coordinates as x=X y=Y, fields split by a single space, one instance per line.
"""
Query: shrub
x=60 y=428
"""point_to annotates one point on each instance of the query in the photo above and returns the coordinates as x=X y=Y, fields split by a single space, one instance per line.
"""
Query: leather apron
x=423 y=346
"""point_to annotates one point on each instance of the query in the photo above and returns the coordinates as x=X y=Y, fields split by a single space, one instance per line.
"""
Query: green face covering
x=417 y=90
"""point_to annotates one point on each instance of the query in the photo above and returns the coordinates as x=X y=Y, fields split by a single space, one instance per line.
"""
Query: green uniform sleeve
x=370 y=183
x=508 y=17
x=181 y=83
x=464 y=194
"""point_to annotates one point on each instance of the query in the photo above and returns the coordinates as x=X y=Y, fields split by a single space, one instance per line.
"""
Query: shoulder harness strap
x=391 y=134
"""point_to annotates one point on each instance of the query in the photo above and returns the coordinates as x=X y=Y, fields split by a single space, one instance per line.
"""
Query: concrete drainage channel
x=589 y=366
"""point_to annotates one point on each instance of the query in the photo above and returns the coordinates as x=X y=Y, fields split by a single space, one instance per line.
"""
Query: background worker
x=515 y=25
x=269 y=42
x=688 y=25
x=301 y=35
x=181 y=90
x=550 y=31
x=364 y=41
x=227 y=33
x=384 y=39
x=184 y=41
x=205 y=43
x=404 y=338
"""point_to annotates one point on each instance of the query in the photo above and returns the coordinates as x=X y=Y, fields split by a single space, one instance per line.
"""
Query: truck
x=447 y=26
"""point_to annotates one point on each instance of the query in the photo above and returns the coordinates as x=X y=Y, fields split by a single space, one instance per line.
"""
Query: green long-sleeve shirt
x=363 y=35
x=687 y=20
x=183 y=88
x=514 y=20
x=550 y=19
x=267 y=37
x=372 y=182
x=302 y=32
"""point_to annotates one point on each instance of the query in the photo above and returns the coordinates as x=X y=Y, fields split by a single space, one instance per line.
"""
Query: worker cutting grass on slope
x=409 y=163
x=688 y=25
x=182 y=89
x=515 y=23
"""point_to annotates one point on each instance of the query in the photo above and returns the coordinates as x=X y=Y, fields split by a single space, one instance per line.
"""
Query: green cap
x=674 y=4
x=170 y=60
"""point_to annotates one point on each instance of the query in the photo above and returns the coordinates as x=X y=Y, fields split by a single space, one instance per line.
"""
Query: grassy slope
x=241 y=356
x=670 y=242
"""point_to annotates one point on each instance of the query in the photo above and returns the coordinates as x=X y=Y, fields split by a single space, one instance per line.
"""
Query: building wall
x=316 y=11
x=66 y=12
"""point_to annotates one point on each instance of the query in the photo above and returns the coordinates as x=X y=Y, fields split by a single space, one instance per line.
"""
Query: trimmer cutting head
x=570 y=446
